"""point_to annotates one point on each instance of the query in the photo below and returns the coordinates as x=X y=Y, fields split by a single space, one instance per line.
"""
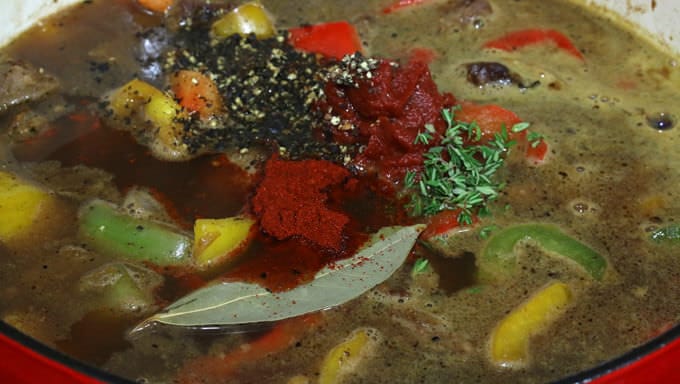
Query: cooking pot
x=24 y=360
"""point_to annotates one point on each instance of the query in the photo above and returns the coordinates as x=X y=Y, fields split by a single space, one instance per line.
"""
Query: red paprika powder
x=291 y=201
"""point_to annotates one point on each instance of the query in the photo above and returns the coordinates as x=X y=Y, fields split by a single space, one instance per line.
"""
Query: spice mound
x=291 y=201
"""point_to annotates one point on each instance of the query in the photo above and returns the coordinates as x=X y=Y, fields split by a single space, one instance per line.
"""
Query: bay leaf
x=238 y=303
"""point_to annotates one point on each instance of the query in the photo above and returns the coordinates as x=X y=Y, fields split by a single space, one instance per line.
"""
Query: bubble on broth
x=661 y=121
x=582 y=207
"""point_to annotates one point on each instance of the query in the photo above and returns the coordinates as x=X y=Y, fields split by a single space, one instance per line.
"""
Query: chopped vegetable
x=217 y=240
x=443 y=222
x=244 y=20
x=20 y=205
x=334 y=39
x=537 y=149
x=157 y=6
x=526 y=37
x=148 y=204
x=122 y=286
x=491 y=120
x=196 y=92
x=485 y=231
x=218 y=368
x=401 y=4
x=111 y=232
x=155 y=107
x=498 y=256
x=343 y=356
x=510 y=340
x=458 y=173
x=420 y=266
x=669 y=233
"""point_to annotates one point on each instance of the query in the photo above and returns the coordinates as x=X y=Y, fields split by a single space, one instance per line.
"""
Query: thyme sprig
x=458 y=172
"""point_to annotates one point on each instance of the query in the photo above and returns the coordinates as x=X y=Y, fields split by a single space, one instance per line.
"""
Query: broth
x=610 y=180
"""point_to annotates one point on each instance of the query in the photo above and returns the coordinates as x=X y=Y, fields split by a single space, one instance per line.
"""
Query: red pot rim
x=23 y=360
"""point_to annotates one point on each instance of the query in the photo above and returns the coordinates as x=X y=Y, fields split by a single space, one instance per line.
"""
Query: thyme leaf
x=519 y=127
x=420 y=266
x=484 y=232
x=534 y=139
x=458 y=171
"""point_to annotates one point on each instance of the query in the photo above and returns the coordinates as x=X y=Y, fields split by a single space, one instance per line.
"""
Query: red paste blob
x=388 y=110
x=291 y=201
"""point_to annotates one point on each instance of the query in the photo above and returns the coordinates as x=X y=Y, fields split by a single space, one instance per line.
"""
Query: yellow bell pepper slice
x=245 y=19
x=342 y=355
x=20 y=205
x=161 y=110
x=510 y=340
x=216 y=240
x=127 y=99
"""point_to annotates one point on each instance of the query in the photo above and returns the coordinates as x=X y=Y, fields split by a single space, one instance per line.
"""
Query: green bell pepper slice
x=498 y=257
x=111 y=232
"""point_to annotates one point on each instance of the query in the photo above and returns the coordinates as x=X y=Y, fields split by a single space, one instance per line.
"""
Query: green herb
x=519 y=127
x=420 y=266
x=484 y=212
x=410 y=179
x=425 y=137
x=475 y=290
x=457 y=172
x=534 y=139
x=486 y=231
x=224 y=303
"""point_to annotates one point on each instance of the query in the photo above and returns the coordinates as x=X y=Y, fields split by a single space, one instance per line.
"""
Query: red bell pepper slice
x=334 y=39
x=444 y=222
x=492 y=118
x=535 y=153
x=401 y=4
x=220 y=368
x=526 y=37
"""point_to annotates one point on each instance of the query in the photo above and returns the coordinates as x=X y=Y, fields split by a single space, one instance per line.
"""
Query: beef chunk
x=482 y=73
x=22 y=83
x=492 y=73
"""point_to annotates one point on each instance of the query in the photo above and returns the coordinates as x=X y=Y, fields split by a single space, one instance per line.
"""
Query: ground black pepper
x=269 y=91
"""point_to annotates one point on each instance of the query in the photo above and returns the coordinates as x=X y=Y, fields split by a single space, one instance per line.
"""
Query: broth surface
x=610 y=179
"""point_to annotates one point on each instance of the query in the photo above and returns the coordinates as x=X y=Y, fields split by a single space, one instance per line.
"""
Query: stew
x=338 y=192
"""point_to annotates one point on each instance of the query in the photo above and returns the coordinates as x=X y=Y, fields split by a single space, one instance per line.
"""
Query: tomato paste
x=386 y=111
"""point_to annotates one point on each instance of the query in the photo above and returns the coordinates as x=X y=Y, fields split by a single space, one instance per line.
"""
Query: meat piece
x=482 y=73
x=466 y=11
x=485 y=73
x=22 y=83
x=25 y=122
